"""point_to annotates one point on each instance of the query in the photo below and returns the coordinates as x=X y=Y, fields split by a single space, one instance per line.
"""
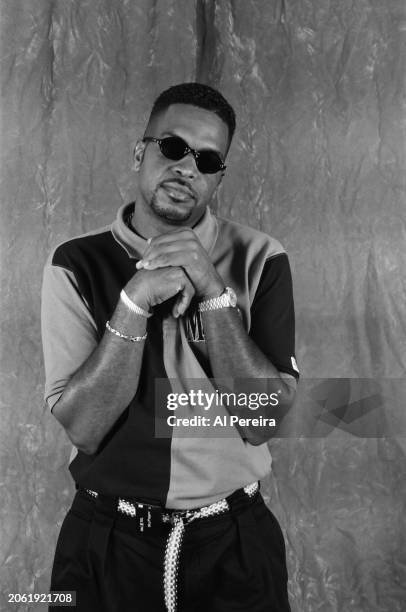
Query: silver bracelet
x=134 y=307
x=124 y=336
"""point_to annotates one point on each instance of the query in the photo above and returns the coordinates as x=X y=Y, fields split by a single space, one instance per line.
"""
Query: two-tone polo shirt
x=82 y=282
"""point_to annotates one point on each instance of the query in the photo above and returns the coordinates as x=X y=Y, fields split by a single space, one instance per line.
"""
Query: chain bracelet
x=125 y=336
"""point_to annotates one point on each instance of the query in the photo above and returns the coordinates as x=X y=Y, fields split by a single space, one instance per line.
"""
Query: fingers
x=168 y=282
x=158 y=253
x=182 y=233
x=169 y=258
x=186 y=294
x=182 y=249
x=148 y=288
x=181 y=239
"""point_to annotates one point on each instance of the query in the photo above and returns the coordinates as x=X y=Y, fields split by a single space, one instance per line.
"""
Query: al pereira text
x=219 y=421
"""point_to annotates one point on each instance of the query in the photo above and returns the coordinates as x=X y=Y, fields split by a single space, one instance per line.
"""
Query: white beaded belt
x=178 y=519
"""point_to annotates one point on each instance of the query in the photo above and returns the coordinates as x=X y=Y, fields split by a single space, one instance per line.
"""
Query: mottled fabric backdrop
x=318 y=161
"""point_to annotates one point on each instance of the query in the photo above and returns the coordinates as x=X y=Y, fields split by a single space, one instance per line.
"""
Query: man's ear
x=138 y=155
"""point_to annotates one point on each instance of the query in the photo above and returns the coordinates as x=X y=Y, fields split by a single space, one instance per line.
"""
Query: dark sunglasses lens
x=173 y=147
x=209 y=162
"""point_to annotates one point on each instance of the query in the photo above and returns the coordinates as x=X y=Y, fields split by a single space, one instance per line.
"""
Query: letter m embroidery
x=194 y=327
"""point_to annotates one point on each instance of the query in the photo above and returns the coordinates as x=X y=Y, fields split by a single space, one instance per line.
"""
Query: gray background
x=318 y=161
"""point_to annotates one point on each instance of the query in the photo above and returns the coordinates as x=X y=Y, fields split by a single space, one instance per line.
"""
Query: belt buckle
x=184 y=516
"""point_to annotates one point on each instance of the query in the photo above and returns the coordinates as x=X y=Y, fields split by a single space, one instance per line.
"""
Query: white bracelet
x=132 y=306
x=124 y=336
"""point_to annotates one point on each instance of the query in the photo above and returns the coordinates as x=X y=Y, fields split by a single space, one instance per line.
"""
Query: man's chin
x=171 y=212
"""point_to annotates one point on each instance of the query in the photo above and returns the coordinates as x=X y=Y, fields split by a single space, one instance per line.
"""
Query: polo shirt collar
x=206 y=230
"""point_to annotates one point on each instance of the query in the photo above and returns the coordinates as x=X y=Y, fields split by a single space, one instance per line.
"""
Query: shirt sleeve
x=273 y=315
x=69 y=333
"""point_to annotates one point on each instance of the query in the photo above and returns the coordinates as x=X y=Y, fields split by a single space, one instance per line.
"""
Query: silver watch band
x=227 y=299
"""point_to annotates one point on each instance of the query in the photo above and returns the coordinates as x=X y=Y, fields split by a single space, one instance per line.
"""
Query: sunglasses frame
x=188 y=150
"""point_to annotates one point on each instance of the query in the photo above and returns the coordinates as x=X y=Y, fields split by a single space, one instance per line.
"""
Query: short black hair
x=197 y=94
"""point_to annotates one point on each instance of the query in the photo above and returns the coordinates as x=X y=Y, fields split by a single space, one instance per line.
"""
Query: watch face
x=231 y=296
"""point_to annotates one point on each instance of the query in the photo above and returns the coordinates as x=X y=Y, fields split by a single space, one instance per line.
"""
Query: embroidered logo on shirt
x=194 y=326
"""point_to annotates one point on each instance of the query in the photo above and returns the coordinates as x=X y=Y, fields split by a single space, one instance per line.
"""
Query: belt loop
x=106 y=504
x=240 y=499
x=235 y=504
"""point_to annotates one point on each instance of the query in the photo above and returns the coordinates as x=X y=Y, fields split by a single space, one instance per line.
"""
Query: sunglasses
x=175 y=148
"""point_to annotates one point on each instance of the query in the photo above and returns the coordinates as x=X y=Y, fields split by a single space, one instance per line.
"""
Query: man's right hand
x=147 y=288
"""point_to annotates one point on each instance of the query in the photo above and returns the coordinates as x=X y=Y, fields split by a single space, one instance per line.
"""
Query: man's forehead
x=200 y=127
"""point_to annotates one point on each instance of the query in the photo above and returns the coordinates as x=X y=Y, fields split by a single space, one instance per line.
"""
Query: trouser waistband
x=148 y=517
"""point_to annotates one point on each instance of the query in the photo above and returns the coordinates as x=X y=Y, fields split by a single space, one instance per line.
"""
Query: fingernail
x=139 y=264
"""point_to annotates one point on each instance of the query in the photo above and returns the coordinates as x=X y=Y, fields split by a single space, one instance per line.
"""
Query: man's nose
x=186 y=166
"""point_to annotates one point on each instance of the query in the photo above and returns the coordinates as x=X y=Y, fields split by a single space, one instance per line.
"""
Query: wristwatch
x=227 y=299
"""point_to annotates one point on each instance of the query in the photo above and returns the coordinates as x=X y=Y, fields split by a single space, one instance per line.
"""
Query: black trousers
x=228 y=563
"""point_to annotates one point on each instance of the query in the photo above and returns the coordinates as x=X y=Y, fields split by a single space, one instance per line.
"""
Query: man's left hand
x=183 y=248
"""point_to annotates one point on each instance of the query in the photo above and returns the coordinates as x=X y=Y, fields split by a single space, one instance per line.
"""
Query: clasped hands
x=174 y=263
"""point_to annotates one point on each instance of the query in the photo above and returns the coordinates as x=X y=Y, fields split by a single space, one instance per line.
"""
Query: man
x=170 y=292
